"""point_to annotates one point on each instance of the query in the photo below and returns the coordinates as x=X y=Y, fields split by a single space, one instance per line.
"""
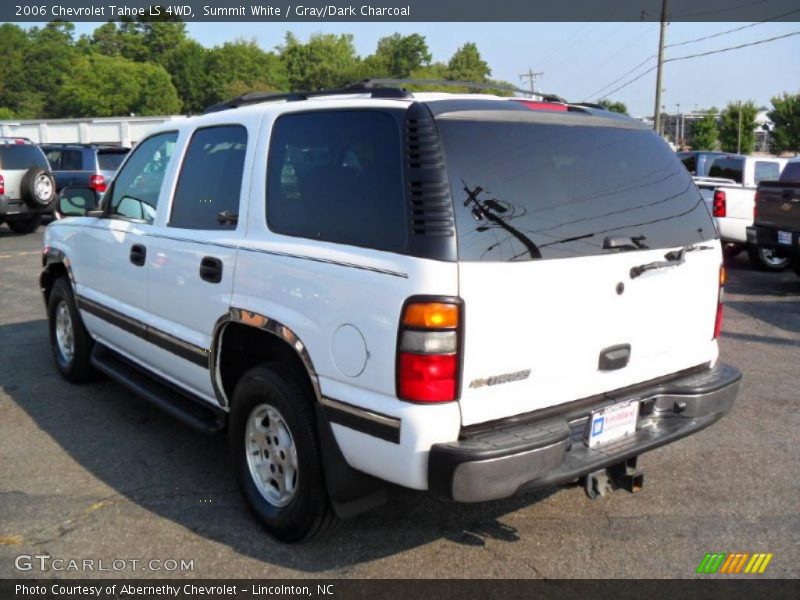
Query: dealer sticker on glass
x=612 y=423
x=785 y=237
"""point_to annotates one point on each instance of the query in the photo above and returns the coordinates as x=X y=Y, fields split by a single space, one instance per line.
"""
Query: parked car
x=91 y=165
x=27 y=188
x=732 y=204
x=777 y=218
x=465 y=295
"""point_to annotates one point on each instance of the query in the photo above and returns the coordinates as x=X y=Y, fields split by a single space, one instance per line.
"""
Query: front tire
x=25 y=226
x=764 y=259
x=275 y=453
x=70 y=342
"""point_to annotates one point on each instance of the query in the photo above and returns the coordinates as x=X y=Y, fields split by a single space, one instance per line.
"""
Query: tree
x=730 y=124
x=240 y=67
x=48 y=57
x=617 y=107
x=326 y=61
x=398 y=56
x=6 y=113
x=785 y=116
x=188 y=65
x=467 y=65
x=704 y=132
x=105 y=86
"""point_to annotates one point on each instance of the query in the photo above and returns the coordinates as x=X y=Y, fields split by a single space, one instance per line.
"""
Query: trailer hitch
x=621 y=476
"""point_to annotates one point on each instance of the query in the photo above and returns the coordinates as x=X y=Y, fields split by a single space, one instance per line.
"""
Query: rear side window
x=336 y=176
x=110 y=160
x=21 y=157
x=766 y=171
x=210 y=182
x=526 y=191
x=727 y=167
x=791 y=172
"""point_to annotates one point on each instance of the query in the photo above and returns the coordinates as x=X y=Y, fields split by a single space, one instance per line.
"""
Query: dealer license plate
x=612 y=423
x=785 y=237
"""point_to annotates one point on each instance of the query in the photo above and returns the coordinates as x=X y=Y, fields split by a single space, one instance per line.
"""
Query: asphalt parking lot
x=92 y=472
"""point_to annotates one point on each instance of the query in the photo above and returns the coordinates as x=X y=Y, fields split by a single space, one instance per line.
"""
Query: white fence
x=122 y=131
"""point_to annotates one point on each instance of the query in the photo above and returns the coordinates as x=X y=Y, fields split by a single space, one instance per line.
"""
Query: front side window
x=136 y=188
x=336 y=176
x=210 y=183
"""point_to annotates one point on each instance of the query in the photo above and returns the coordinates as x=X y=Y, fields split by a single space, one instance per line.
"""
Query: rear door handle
x=138 y=255
x=211 y=269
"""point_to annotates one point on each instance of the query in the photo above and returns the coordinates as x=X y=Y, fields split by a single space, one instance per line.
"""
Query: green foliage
x=467 y=65
x=6 y=113
x=188 y=66
x=617 y=107
x=106 y=86
x=785 y=116
x=240 y=67
x=729 y=127
x=704 y=132
x=397 y=56
x=326 y=61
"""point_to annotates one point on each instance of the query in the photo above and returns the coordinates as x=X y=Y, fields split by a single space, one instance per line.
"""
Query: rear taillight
x=720 y=208
x=720 y=295
x=428 y=353
x=2 y=185
x=755 y=206
x=97 y=183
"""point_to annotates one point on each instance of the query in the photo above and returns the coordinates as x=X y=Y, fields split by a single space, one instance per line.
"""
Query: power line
x=721 y=33
x=677 y=58
x=646 y=60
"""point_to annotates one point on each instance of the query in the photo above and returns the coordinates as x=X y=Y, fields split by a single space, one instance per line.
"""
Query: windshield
x=525 y=191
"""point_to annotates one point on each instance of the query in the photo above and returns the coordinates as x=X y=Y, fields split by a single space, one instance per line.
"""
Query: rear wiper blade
x=674 y=258
x=624 y=242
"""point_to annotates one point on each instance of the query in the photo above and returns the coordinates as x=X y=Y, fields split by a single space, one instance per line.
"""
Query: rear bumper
x=499 y=462
x=767 y=237
x=13 y=207
x=732 y=230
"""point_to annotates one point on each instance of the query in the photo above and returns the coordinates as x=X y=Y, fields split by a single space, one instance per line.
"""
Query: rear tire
x=275 y=452
x=70 y=342
x=765 y=260
x=25 y=226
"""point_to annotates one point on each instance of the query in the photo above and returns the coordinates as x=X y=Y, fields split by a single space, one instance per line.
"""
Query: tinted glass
x=690 y=162
x=71 y=160
x=53 y=157
x=767 y=171
x=21 y=157
x=525 y=191
x=727 y=167
x=337 y=176
x=135 y=191
x=791 y=172
x=210 y=182
x=110 y=160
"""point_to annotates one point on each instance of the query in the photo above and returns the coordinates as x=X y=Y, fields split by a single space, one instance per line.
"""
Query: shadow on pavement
x=166 y=468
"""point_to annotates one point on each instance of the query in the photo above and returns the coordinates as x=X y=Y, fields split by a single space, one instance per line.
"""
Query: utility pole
x=739 y=130
x=678 y=123
x=660 y=67
x=531 y=77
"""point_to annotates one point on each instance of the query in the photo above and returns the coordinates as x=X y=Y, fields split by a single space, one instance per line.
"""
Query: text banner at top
x=400 y=10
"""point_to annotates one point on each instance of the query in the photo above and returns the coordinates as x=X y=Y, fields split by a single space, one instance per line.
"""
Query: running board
x=192 y=411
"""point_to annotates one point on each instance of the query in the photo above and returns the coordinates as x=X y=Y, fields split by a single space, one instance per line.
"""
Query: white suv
x=470 y=295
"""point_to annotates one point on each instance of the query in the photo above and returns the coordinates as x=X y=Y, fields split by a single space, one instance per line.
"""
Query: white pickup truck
x=732 y=203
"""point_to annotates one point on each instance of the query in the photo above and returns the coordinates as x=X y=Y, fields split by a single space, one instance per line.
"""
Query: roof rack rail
x=478 y=85
x=259 y=97
x=589 y=105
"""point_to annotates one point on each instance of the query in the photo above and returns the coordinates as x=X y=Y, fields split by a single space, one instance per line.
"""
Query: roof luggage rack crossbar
x=259 y=97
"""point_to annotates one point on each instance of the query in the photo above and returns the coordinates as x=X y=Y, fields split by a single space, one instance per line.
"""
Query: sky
x=578 y=60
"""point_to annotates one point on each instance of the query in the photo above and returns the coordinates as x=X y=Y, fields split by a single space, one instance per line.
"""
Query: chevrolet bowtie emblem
x=786 y=206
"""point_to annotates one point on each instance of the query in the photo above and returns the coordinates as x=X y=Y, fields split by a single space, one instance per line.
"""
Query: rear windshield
x=110 y=160
x=524 y=191
x=791 y=172
x=21 y=157
x=727 y=167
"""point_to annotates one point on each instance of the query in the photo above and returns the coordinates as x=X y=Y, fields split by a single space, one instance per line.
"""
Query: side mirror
x=76 y=202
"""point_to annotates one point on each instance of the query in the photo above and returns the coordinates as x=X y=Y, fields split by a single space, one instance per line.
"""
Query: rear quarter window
x=110 y=160
x=336 y=176
x=766 y=171
x=526 y=191
x=21 y=157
